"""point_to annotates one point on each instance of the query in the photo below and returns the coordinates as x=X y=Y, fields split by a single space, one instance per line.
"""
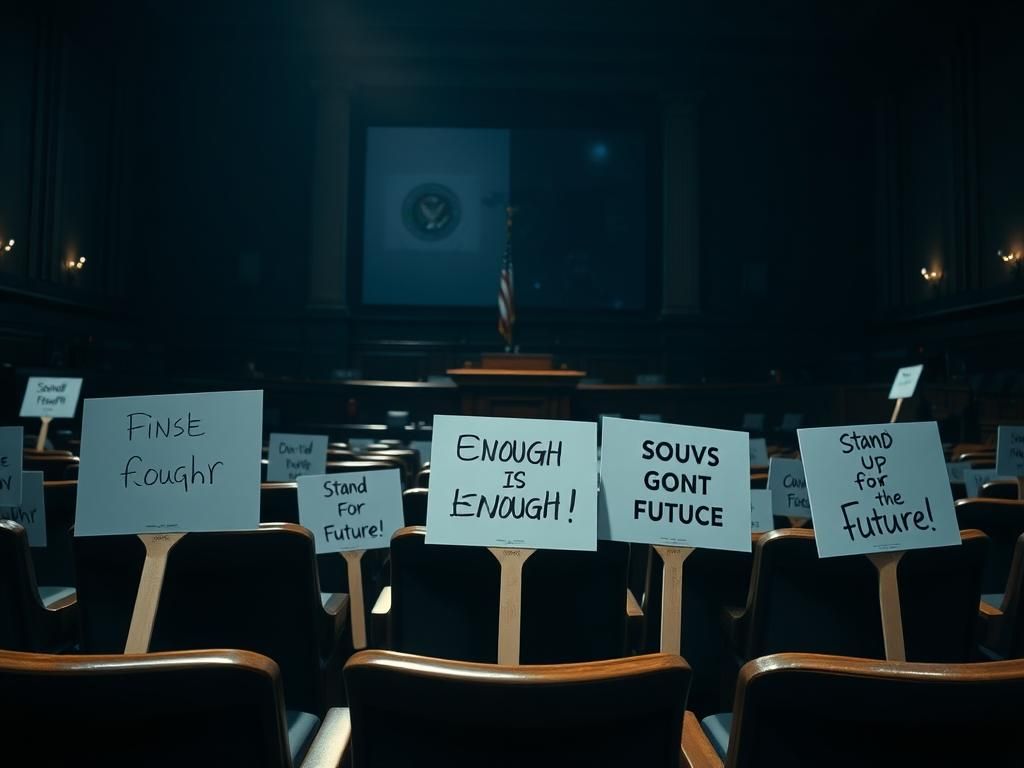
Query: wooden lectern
x=516 y=385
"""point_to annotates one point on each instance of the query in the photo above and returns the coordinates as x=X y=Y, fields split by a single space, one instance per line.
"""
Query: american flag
x=506 y=289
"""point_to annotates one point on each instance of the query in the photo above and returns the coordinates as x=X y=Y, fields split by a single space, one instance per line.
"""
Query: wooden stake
x=672 y=596
x=158 y=546
x=43 y=430
x=353 y=562
x=896 y=410
x=510 y=601
x=887 y=564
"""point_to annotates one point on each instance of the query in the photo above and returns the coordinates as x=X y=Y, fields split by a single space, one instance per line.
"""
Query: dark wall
x=182 y=152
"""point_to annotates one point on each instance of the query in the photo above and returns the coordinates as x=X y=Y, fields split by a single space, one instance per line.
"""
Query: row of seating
x=227 y=708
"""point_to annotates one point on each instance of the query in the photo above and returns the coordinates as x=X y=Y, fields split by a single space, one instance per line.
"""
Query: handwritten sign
x=788 y=487
x=1010 y=451
x=758 y=452
x=761 y=518
x=905 y=383
x=12 y=445
x=956 y=469
x=45 y=396
x=291 y=456
x=975 y=478
x=351 y=511
x=31 y=512
x=513 y=483
x=170 y=463
x=675 y=485
x=878 y=488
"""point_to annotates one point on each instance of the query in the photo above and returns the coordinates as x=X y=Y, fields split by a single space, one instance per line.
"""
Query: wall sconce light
x=9 y=245
x=1014 y=259
x=931 y=276
x=72 y=264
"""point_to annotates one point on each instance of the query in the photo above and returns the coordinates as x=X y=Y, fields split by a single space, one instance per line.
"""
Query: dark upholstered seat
x=804 y=710
x=32 y=618
x=409 y=710
x=194 y=708
x=257 y=590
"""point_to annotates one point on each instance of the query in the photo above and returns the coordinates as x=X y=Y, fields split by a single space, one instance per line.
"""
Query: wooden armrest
x=633 y=609
x=383 y=605
x=337 y=604
x=989 y=611
x=332 y=740
x=64 y=602
x=697 y=748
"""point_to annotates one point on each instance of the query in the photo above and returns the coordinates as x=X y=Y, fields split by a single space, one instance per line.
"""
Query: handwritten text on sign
x=528 y=483
x=291 y=456
x=1010 y=451
x=351 y=511
x=31 y=513
x=56 y=398
x=12 y=444
x=878 y=487
x=675 y=485
x=905 y=383
x=789 y=488
x=170 y=463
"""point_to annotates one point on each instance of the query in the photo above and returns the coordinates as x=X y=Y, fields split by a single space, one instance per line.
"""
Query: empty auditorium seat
x=32 y=617
x=800 y=602
x=713 y=581
x=804 y=710
x=414 y=506
x=55 y=563
x=1000 y=489
x=1003 y=614
x=444 y=601
x=53 y=465
x=410 y=710
x=1002 y=521
x=257 y=590
x=192 y=708
x=423 y=478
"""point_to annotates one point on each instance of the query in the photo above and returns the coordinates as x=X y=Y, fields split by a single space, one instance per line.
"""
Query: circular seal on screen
x=431 y=211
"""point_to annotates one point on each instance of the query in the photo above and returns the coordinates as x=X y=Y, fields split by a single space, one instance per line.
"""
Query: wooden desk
x=525 y=394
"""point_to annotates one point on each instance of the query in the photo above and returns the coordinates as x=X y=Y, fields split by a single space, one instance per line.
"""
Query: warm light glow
x=11 y=242
x=930 y=276
x=1013 y=257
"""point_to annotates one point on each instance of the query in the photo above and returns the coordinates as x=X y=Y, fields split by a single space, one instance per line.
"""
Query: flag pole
x=506 y=295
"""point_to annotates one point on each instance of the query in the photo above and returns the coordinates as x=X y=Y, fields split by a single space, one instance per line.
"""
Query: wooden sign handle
x=43 y=431
x=353 y=563
x=887 y=564
x=510 y=601
x=896 y=410
x=672 y=596
x=158 y=546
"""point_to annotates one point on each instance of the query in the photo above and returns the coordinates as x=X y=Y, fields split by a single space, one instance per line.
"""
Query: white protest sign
x=12 y=446
x=526 y=483
x=975 y=478
x=351 y=511
x=956 y=469
x=788 y=488
x=905 y=383
x=878 y=488
x=674 y=485
x=31 y=512
x=291 y=456
x=1010 y=451
x=758 y=452
x=47 y=396
x=761 y=518
x=170 y=463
